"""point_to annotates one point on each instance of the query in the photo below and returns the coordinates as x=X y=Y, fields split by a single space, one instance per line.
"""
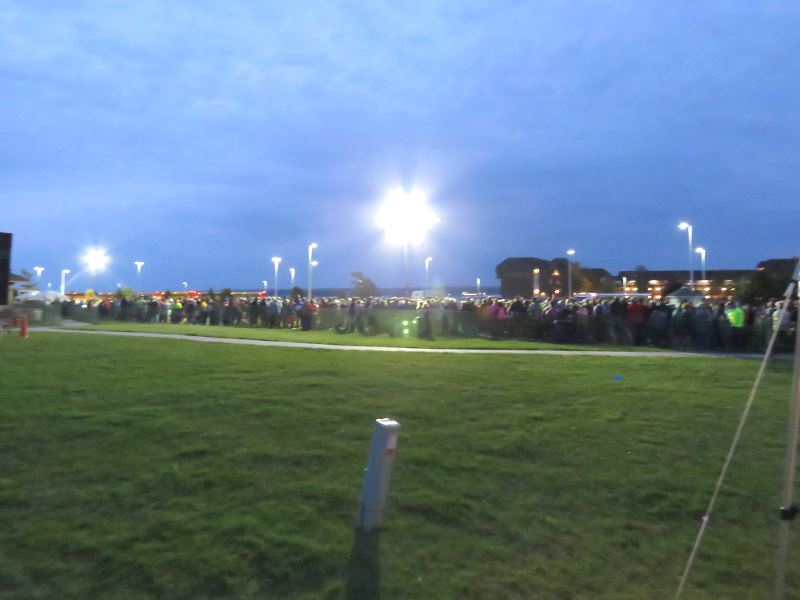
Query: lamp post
x=478 y=284
x=536 y=282
x=276 y=260
x=702 y=253
x=185 y=285
x=64 y=273
x=39 y=271
x=405 y=218
x=139 y=264
x=313 y=264
x=291 y=274
x=311 y=248
x=264 y=283
x=428 y=274
x=688 y=228
x=570 y=252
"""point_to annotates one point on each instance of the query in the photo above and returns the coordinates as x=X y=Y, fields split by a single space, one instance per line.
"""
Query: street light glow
x=405 y=217
x=683 y=225
x=570 y=252
x=139 y=264
x=96 y=260
x=39 y=271
x=700 y=250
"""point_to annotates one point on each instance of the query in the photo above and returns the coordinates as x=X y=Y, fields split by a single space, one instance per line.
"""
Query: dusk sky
x=203 y=138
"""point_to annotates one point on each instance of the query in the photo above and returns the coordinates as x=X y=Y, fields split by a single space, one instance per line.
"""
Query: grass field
x=327 y=336
x=138 y=468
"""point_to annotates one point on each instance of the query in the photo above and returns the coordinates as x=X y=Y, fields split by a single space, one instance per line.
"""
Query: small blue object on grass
x=617 y=377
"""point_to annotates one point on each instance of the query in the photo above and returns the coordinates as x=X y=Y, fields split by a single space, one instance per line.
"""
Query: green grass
x=151 y=468
x=327 y=336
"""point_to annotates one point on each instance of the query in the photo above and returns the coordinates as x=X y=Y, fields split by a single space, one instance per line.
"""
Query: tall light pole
x=64 y=273
x=702 y=253
x=536 y=282
x=570 y=252
x=405 y=218
x=313 y=264
x=311 y=248
x=185 y=285
x=291 y=274
x=264 y=283
x=139 y=264
x=478 y=284
x=688 y=228
x=39 y=271
x=428 y=274
x=276 y=260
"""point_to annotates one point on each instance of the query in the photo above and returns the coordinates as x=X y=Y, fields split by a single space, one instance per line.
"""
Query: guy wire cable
x=742 y=421
x=788 y=508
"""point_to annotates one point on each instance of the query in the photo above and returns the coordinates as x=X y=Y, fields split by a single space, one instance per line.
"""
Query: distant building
x=718 y=283
x=537 y=276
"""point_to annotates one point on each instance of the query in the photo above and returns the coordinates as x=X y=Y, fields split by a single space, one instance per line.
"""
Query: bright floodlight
x=683 y=225
x=96 y=260
x=39 y=271
x=406 y=217
x=570 y=252
x=276 y=260
x=700 y=250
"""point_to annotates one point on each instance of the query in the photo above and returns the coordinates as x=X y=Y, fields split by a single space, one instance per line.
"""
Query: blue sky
x=206 y=137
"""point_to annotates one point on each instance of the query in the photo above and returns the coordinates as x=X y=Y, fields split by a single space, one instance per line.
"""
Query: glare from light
x=276 y=260
x=405 y=217
x=683 y=225
x=314 y=263
x=292 y=271
x=570 y=252
x=96 y=260
x=39 y=271
x=700 y=250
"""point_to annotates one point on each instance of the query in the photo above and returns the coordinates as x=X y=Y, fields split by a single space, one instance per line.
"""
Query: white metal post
x=378 y=473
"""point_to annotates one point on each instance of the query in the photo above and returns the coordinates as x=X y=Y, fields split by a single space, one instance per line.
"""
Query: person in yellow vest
x=735 y=316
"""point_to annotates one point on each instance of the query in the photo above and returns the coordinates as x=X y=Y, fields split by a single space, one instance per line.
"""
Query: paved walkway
x=310 y=345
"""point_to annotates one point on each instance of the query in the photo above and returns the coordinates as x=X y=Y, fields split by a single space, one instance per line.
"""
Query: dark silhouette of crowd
x=707 y=326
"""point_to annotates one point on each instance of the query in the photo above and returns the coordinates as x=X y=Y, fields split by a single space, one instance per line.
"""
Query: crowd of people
x=724 y=325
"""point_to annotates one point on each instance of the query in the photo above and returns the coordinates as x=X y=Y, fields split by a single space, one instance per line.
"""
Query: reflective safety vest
x=735 y=317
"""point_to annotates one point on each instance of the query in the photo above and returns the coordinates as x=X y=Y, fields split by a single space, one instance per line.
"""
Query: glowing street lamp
x=405 y=219
x=478 y=284
x=96 y=260
x=139 y=264
x=264 y=283
x=64 y=273
x=311 y=262
x=185 y=285
x=276 y=260
x=570 y=252
x=684 y=226
x=702 y=253
x=536 y=281
x=428 y=274
x=39 y=271
x=291 y=274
